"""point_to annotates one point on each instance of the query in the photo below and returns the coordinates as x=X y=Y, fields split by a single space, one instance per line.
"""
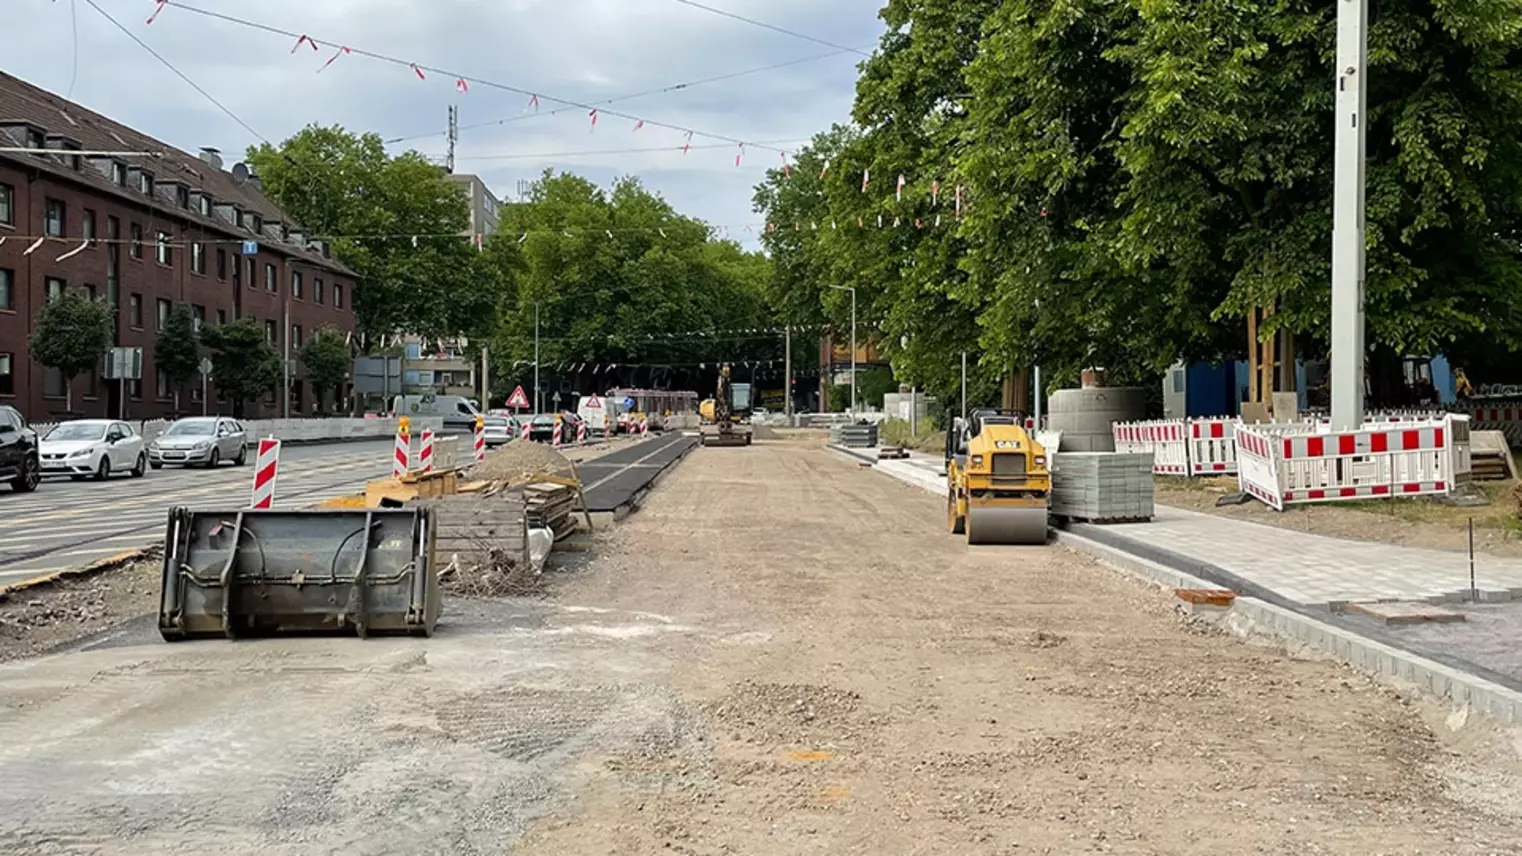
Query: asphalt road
x=66 y=523
x=612 y=480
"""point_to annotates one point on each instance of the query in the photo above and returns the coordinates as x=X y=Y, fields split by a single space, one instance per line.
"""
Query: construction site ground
x=781 y=653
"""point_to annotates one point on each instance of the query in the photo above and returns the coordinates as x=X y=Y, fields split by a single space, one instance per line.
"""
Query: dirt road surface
x=780 y=654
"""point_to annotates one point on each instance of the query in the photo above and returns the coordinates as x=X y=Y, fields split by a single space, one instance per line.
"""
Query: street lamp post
x=851 y=289
x=1348 y=215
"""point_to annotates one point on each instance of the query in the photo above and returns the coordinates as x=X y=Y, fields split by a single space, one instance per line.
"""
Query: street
x=779 y=653
x=67 y=523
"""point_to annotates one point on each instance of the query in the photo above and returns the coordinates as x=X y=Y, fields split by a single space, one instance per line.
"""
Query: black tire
x=215 y=460
x=140 y=468
x=242 y=456
x=103 y=471
x=958 y=524
x=30 y=476
x=158 y=465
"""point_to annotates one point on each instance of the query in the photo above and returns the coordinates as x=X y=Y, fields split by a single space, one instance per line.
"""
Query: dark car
x=542 y=428
x=19 y=463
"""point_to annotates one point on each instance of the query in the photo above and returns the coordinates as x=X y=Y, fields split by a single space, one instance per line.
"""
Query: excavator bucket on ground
x=249 y=573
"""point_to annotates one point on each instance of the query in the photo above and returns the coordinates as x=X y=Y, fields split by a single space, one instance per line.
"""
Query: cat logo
x=1006 y=444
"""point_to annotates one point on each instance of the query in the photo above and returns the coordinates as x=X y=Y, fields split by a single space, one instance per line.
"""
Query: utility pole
x=485 y=382
x=787 y=383
x=454 y=135
x=537 y=407
x=1037 y=395
x=1348 y=215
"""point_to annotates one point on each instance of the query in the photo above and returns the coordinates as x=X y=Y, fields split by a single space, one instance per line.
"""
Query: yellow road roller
x=997 y=483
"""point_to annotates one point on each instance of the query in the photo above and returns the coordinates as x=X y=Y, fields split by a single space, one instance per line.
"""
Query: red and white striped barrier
x=644 y=428
x=523 y=431
x=1163 y=438
x=425 y=452
x=480 y=441
x=1496 y=415
x=1213 y=447
x=581 y=432
x=266 y=467
x=555 y=436
x=401 y=455
x=1394 y=459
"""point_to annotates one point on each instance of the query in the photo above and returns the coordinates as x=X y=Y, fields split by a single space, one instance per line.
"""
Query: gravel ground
x=779 y=654
x=38 y=619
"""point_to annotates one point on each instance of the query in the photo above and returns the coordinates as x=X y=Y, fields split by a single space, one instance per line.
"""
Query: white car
x=500 y=429
x=92 y=447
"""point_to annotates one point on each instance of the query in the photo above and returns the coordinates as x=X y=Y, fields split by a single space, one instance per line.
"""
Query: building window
x=270 y=331
x=296 y=284
x=92 y=383
x=135 y=388
x=137 y=241
x=135 y=311
x=317 y=289
x=161 y=249
x=87 y=226
x=7 y=205
x=221 y=316
x=269 y=278
x=295 y=336
x=338 y=296
x=113 y=295
x=52 y=221
x=119 y=174
x=53 y=288
x=198 y=258
x=222 y=265
x=145 y=183
x=198 y=316
x=252 y=282
x=7 y=380
x=255 y=223
x=161 y=384
x=163 y=319
x=182 y=196
x=7 y=288
x=52 y=382
x=204 y=205
x=90 y=292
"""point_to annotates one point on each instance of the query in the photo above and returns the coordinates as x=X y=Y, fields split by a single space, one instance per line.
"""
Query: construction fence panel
x=1257 y=467
x=1164 y=439
x=1213 y=446
x=1413 y=459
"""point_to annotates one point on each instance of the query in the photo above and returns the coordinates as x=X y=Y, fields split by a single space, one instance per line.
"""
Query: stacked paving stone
x=1102 y=487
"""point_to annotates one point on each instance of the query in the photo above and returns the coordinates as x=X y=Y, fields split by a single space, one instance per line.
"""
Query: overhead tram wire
x=773 y=27
x=491 y=84
x=675 y=87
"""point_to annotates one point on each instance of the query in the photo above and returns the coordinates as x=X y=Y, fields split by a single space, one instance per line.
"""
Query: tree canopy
x=326 y=359
x=1137 y=176
x=72 y=334
x=177 y=350
x=243 y=363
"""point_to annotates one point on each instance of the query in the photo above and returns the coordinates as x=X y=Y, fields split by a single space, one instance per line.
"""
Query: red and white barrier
x=480 y=442
x=644 y=428
x=425 y=452
x=555 y=436
x=1213 y=447
x=523 y=432
x=1504 y=415
x=1163 y=438
x=401 y=456
x=1394 y=459
x=266 y=467
x=581 y=432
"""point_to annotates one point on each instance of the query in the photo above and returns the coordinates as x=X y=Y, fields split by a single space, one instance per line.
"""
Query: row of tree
x=1137 y=177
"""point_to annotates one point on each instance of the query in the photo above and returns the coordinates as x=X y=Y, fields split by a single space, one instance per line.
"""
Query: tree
x=177 y=351
x=344 y=185
x=327 y=360
x=73 y=333
x=243 y=363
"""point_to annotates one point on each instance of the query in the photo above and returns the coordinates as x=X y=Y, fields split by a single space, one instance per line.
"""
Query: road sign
x=205 y=367
x=124 y=364
x=629 y=403
x=556 y=398
x=592 y=402
x=250 y=248
x=517 y=399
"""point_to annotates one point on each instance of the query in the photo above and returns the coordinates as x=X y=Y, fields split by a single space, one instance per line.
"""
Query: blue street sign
x=250 y=248
x=629 y=403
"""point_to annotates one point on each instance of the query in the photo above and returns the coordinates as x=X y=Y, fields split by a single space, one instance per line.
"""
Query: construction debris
x=1490 y=457
x=518 y=460
x=551 y=506
x=483 y=546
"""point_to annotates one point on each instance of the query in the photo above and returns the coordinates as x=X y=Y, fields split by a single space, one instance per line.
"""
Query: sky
x=583 y=51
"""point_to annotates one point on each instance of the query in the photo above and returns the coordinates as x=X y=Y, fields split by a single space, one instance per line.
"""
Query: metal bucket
x=249 y=573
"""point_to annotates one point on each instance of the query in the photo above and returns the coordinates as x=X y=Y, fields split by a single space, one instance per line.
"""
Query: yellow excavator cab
x=998 y=485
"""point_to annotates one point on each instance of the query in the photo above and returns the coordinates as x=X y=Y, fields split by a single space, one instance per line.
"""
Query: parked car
x=19 y=464
x=501 y=429
x=542 y=428
x=93 y=447
x=200 y=440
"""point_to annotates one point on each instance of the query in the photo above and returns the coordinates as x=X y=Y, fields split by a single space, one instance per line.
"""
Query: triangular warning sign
x=592 y=402
x=517 y=399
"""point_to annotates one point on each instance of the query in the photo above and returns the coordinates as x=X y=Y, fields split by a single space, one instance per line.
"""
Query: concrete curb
x=1254 y=618
x=109 y=563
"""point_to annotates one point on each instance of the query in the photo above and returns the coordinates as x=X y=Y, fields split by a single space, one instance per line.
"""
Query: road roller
x=997 y=482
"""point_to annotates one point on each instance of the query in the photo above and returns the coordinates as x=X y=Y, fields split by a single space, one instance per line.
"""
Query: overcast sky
x=580 y=50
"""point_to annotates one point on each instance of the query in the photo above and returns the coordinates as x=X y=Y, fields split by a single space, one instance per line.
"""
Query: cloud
x=582 y=50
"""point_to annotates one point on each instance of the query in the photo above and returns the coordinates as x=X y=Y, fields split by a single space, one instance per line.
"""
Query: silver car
x=200 y=440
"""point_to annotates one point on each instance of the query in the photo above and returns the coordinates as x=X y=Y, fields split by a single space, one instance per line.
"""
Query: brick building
x=144 y=232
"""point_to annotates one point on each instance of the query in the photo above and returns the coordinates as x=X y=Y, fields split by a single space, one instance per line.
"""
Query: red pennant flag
x=639 y=124
x=787 y=171
x=739 y=156
x=1043 y=212
x=959 y=201
x=304 y=38
x=157 y=9
x=533 y=103
x=687 y=143
x=866 y=176
x=417 y=71
x=336 y=54
x=460 y=84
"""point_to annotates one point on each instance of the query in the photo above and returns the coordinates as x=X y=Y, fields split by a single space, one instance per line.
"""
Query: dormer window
x=35 y=139
x=119 y=174
x=145 y=183
x=182 y=196
x=256 y=223
x=203 y=204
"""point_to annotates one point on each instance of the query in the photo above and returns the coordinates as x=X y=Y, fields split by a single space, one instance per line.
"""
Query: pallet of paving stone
x=1102 y=487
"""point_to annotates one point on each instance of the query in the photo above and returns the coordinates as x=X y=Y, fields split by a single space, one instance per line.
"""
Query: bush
x=895 y=432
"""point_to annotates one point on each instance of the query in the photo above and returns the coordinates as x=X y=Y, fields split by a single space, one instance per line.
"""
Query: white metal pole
x=485 y=382
x=964 y=384
x=1348 y=216
x=787 y=389
x=914 y=412
x=1036 y=382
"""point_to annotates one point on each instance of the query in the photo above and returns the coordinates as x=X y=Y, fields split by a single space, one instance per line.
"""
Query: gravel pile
x=519 y=459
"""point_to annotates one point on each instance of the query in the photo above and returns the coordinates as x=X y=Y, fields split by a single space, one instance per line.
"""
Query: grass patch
x=895 y=432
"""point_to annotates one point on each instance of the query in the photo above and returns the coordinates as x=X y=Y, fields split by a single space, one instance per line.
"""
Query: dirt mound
x=518 y=459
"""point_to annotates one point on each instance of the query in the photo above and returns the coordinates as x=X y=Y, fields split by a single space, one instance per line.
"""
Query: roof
x=21 y=102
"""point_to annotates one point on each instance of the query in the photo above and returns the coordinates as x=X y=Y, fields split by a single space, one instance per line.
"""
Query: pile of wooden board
x=1102 y=487
x=551 y=506
x=481 y=543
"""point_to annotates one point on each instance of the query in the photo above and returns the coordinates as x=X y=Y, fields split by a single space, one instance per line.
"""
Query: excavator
x=724 y=415
x=998 y=486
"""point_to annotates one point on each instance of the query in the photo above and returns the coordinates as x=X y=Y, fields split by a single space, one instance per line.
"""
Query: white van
x=459 y=414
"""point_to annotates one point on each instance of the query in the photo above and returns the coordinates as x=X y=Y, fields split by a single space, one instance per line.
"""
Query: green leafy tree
x=177 y=351
x=72 y=334
x=345 y=185
x=327 y=360
x=243 y=363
